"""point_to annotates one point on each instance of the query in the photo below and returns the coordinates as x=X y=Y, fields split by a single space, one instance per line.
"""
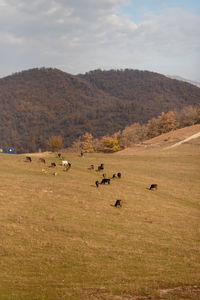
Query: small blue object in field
x=8 y=150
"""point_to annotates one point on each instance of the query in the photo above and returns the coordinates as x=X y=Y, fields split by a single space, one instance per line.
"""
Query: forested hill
x=152 y=90
x=37 y=103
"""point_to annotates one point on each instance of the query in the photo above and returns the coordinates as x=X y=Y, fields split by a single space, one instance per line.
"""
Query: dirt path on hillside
x=194 y=136
x=165 y=141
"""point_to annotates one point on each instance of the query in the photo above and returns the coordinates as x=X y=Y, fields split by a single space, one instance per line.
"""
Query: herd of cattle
x=67 y=166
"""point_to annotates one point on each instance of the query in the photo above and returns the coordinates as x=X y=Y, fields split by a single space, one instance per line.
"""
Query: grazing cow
x=28 y=158
x=59 y=155
x=53 y=164
x=153 y=186
x=97 y=183
x=91 y=167
x=119 y=175
x=118 y=203
x=101 y=167
x=104 y=175
x=64 y=163
x=105 y=180
x=114 y=176
x=42 y=160
x=82 y=154
x=68 y=166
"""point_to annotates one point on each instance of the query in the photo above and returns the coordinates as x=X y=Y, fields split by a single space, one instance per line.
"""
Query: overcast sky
x=77 y=36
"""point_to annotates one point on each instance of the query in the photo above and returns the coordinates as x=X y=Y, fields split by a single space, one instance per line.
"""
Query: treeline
x=137 y=132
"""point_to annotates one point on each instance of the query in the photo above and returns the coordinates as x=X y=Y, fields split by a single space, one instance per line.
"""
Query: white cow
x=64 y=163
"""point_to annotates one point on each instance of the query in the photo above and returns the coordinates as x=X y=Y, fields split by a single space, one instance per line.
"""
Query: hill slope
x=37 y=103
x=63 y=240
x=167 y=140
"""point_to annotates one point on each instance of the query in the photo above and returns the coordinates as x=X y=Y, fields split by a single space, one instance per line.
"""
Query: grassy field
x=62 y=239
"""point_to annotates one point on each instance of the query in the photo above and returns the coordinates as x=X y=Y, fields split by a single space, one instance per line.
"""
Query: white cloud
x=9 y=39
x=81 y=35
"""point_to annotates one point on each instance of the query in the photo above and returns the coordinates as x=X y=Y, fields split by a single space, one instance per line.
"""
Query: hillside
x=37 y=103
x=145 y=92
x=167 y=140
x=61 y=238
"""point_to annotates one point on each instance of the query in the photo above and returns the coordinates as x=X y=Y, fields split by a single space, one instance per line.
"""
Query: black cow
x=101 y=167
x=97 y=183
x=153 y=186
x=105 y=180
x=118 y=203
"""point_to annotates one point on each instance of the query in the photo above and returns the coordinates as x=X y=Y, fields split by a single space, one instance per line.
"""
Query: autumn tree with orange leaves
x=87 y=143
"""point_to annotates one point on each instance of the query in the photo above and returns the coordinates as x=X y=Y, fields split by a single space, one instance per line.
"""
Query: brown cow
x=28 y=158
x=91 y=167
x=42 y=160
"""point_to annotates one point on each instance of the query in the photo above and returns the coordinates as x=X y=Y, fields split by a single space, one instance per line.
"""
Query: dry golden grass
x=166 y=140
x=62 y=239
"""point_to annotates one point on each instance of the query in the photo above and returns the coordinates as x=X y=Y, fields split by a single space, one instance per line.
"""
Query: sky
x=77 y=36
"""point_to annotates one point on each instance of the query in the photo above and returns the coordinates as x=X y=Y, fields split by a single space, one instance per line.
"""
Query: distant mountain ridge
x=196 y=83
x=37 y=103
